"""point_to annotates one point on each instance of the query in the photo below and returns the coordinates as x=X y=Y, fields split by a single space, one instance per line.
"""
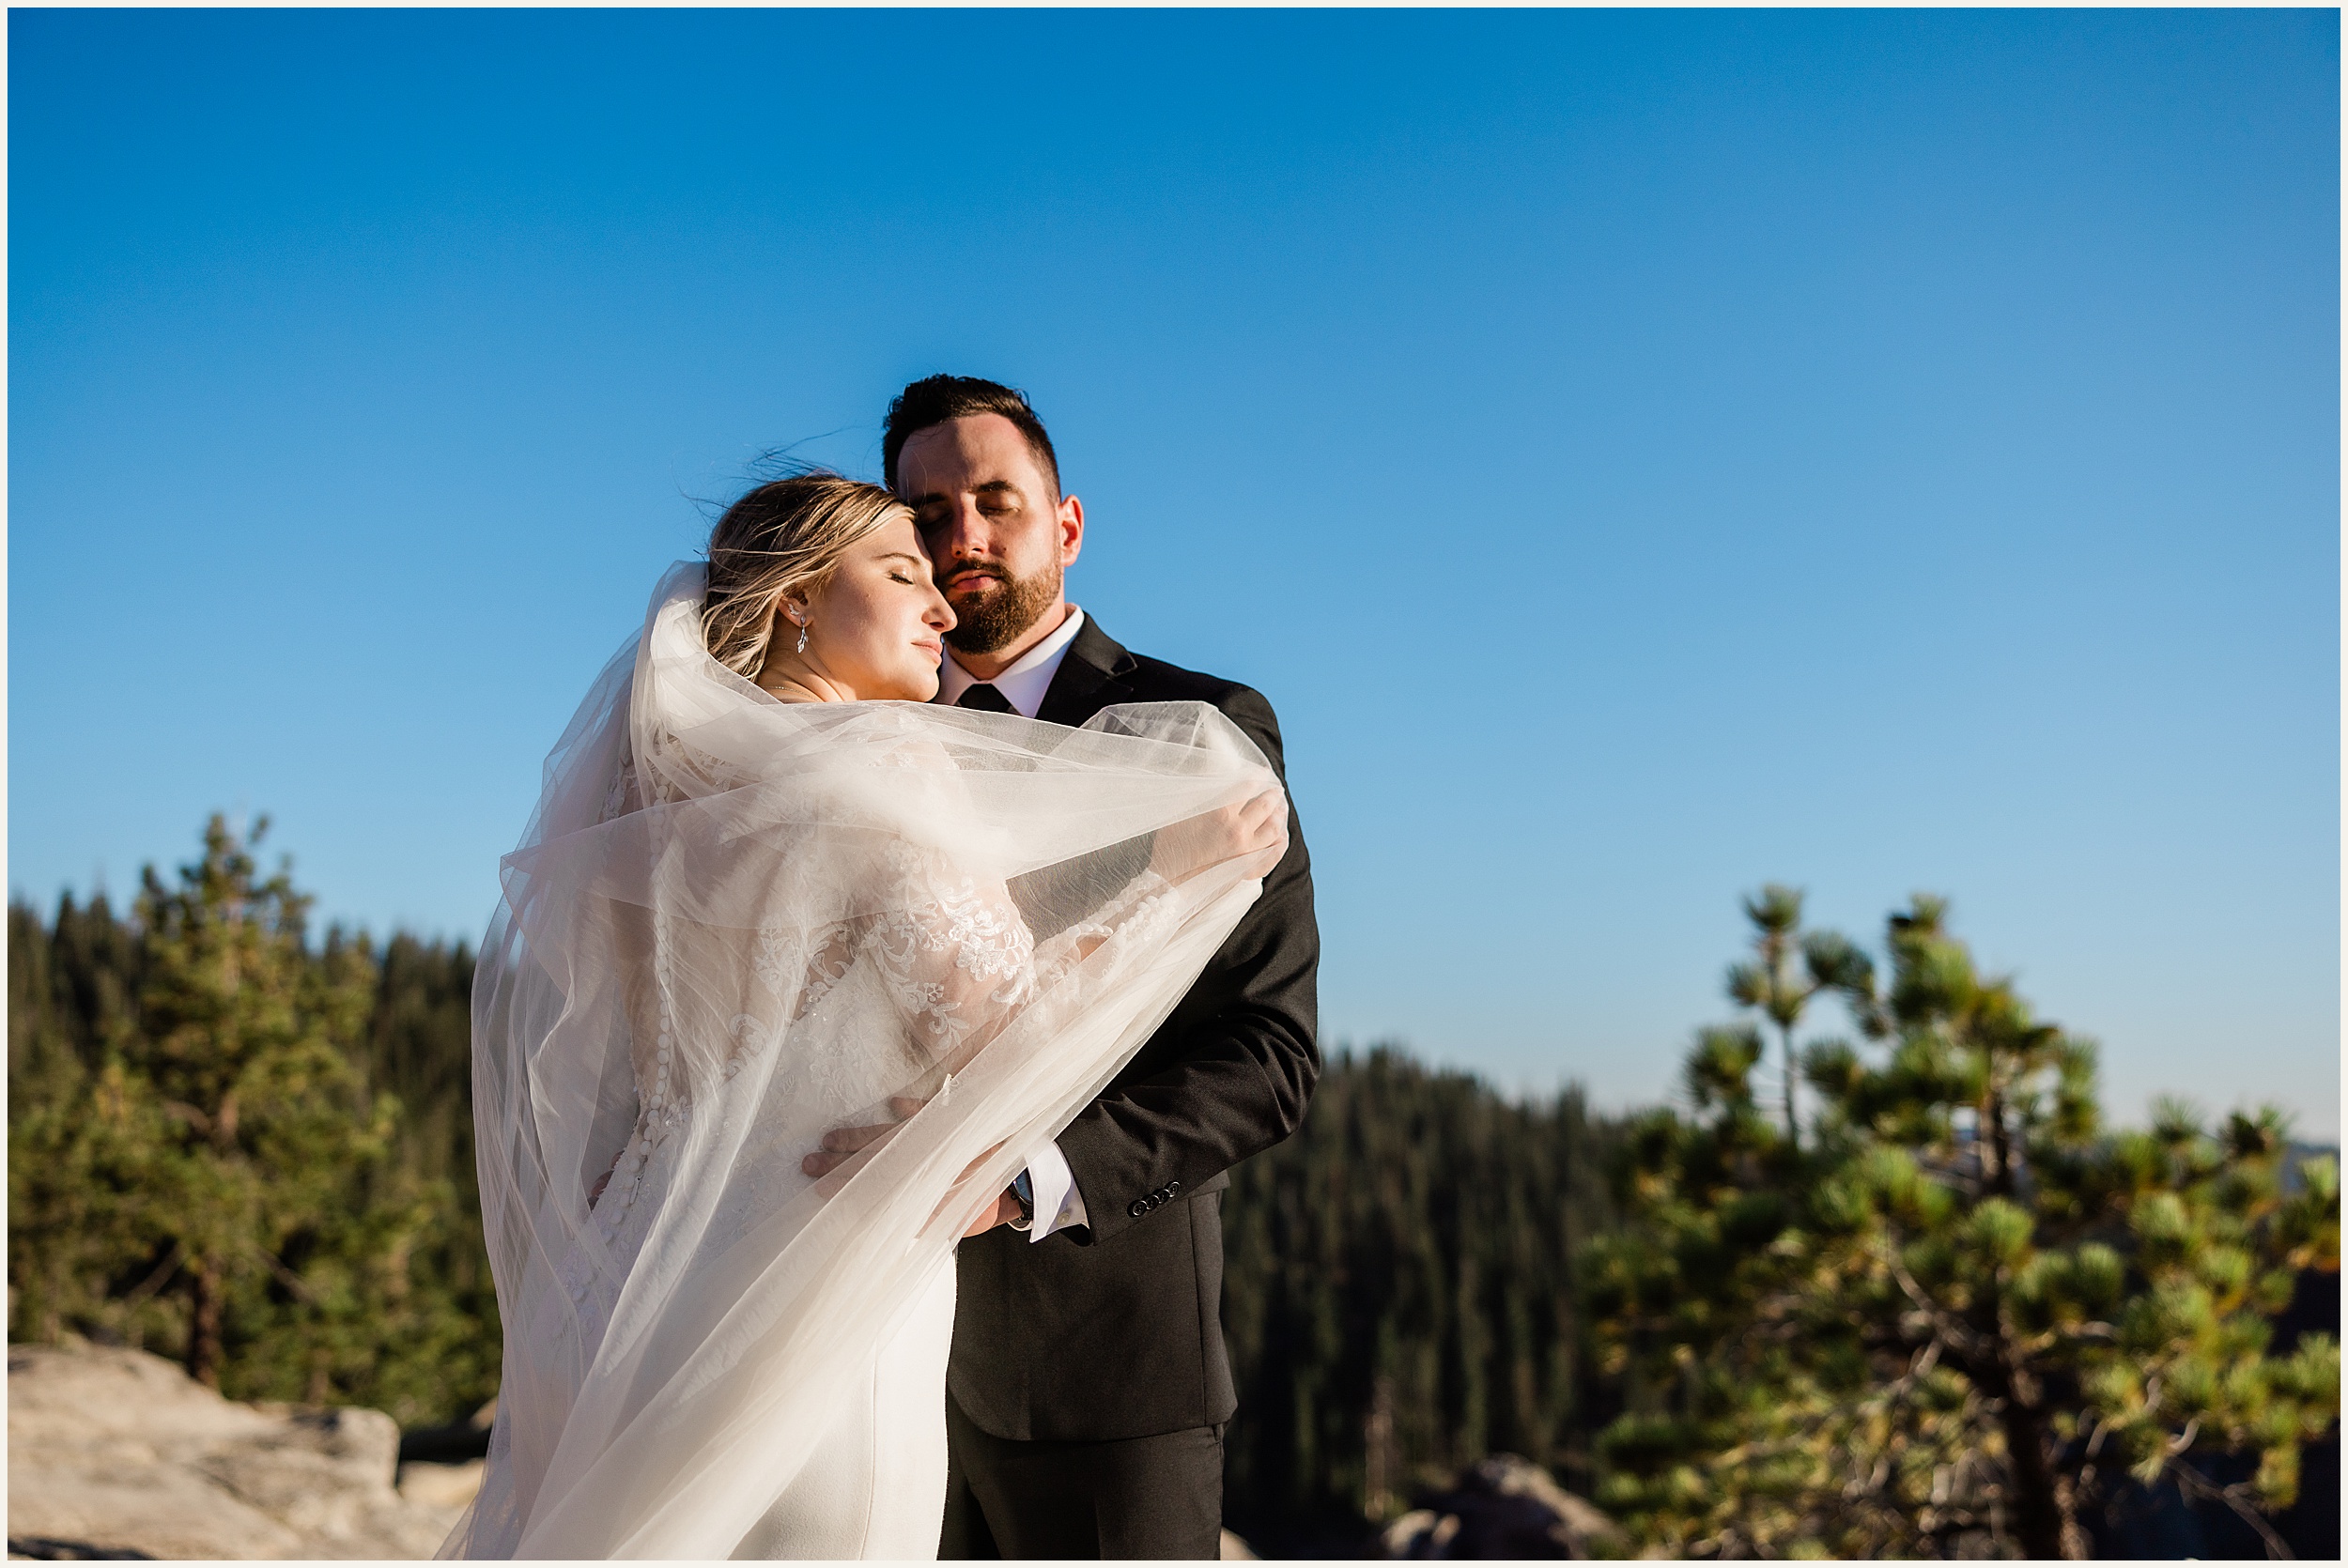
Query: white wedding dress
x=736 y=923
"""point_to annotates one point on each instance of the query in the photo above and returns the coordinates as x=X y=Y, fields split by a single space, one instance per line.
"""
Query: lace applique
x=835 y=1066
x=771 y=959
x=923 y=952
x=956 y=960
x=898 y=944
x=803 y=991
x=751 y=1037
x=683 y=770
x=832 y=1069
x=623 y=796
x=987 y=936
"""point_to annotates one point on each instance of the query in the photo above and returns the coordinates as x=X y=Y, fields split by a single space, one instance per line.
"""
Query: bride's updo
x=784 y=536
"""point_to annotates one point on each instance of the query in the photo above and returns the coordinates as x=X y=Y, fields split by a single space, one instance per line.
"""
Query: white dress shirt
x=1024 y=683
x=1058 y=1203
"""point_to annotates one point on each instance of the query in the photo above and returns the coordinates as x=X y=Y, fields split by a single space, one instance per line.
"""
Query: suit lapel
x=1089 y=678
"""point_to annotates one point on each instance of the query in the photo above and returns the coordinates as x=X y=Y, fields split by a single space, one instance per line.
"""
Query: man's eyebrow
x=992 y=487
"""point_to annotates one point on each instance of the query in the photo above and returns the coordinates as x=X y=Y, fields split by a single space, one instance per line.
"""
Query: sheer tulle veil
x=731 y=924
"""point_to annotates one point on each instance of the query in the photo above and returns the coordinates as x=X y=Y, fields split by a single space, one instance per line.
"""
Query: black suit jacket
x=1114 y=1330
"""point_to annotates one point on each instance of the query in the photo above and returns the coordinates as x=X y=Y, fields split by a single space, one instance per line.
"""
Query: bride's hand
x=1254 y=832
x=847 y=1149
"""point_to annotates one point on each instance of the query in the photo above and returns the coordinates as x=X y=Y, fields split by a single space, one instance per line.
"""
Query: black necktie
x=987 y=699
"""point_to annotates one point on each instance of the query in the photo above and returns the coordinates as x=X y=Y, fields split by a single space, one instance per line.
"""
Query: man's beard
x=997 y=618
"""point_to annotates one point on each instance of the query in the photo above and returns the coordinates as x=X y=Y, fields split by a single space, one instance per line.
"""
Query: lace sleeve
x=959 y=963
x=1138 y=913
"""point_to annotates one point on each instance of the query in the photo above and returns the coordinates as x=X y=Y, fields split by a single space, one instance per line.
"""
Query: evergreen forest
x=1898 y=1290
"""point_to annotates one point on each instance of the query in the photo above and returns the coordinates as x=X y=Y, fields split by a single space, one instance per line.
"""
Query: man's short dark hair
x=935 y=399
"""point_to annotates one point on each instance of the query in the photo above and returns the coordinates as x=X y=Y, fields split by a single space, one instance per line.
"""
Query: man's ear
x=1072 y=529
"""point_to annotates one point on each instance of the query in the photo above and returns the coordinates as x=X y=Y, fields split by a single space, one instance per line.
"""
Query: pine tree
x=1398 y=1295
x=241 y=1046
x=418 y=1048
x=1770 y=983
x=1966 y=1309
x=79 y=1152
x=202 y=1158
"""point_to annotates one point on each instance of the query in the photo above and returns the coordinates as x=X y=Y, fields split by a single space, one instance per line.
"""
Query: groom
x=1089 y=1388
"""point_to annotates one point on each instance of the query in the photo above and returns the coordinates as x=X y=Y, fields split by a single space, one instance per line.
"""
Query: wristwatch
x=1023 y=1193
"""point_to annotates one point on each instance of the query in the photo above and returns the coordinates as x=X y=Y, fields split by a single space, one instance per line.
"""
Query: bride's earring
x=802 y=648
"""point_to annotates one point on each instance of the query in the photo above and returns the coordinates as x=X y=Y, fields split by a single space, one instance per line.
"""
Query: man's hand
x=844 y=1143
x=845 y=1148
x=1005 y=1209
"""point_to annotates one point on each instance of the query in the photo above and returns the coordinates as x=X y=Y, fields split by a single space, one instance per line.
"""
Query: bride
x=768 y=891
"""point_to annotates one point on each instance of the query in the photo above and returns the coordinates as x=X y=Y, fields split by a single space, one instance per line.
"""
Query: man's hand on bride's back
x=844 y=1143
x=845 y=1148
x=1253 y=834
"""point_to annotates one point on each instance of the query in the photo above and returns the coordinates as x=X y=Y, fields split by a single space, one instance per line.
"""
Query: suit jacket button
x=1137 y=1209
x=1173 y=1187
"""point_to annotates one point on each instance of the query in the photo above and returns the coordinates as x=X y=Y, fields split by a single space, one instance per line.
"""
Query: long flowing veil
x=734 y=923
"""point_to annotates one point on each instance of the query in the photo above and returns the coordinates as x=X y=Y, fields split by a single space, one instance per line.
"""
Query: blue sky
x=1640 y=454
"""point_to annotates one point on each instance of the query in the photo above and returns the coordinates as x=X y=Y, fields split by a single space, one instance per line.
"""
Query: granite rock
x=117 y=1453
x=1502 y=1507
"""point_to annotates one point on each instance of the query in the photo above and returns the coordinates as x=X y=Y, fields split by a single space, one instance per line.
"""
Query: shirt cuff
x=1058 y=1203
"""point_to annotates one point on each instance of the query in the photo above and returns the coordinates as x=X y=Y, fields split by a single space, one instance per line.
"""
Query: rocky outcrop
x=1504 y=1507
x=119 y=1453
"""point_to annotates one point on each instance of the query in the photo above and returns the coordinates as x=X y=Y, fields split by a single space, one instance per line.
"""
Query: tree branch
x=285 y=1276
x=2192 y=1482
x=160 y=1277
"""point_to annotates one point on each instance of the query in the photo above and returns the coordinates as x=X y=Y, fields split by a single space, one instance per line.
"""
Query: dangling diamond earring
x=802 y=648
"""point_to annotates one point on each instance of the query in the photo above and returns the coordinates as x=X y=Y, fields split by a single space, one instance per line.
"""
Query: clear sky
x=1641 y=456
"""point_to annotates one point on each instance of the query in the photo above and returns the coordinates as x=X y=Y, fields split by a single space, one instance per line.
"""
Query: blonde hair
x=785 y=536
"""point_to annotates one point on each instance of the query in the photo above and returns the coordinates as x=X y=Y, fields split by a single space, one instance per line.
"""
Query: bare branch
x=160 y=1277
x=285 y=1276
x=2190 y=1482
